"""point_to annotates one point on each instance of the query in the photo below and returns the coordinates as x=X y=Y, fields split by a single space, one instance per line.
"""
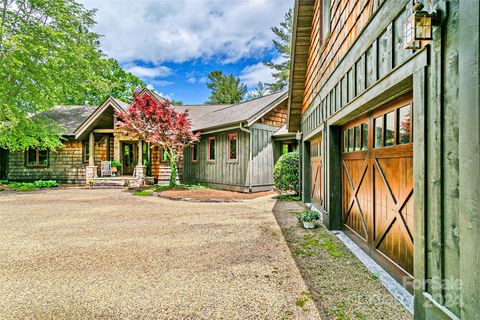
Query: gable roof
x=89 y=122
x=213 y=116
x=69 y=117
x=79 y=120
x=302 y=28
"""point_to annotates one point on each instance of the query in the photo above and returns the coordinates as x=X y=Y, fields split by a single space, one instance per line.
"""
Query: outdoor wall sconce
x=298 y=136
x=418 y=27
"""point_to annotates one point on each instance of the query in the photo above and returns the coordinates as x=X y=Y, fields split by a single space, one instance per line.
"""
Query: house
x=236 y=149
x=386 y=97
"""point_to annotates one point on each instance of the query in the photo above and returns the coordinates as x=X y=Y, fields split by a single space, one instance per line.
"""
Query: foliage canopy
x=225 y=88
x=49 y=56
x=286 y=174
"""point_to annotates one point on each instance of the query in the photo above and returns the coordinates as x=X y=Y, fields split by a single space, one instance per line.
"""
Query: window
x=378 y=124
x=232 y=146
x=314 y=150
x=345 y=141
x=86 y=151
x=390 y=129
x=195 y=152
x=163 y=156
x=211 y=149
x=357 y=145
x=364 y=136
x=350 y=140
x=36 y=158
x=404 y=125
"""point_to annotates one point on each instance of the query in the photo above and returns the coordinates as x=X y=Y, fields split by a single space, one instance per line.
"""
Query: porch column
x=91 y=169
x=140 y=153
x=91 y=149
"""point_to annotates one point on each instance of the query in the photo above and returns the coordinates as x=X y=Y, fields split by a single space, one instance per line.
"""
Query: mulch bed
x=340 y=285
x=210 y=195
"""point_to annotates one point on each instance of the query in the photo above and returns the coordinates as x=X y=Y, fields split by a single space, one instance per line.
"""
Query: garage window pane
x=345 y=141
x=364 y=136
x=350 y=140
x=378 y=132
x=358 y=140
x=314 y=150
x=404 y=124
x=390 y=129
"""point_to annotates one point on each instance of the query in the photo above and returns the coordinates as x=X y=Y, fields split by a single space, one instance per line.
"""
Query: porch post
x=140 y=153
x=91 y=169
x=91 y=149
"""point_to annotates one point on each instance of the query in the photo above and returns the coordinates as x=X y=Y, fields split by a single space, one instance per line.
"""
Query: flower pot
x=309 y=225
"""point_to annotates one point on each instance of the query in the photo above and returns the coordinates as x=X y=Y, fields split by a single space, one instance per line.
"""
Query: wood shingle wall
x=65 y=165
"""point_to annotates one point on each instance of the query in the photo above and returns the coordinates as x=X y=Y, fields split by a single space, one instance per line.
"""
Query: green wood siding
x=222 y=171
x=263 y=157
x=446 y=144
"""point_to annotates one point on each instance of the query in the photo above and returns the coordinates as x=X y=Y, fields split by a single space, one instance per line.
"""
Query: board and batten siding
x=372 y=69
x=222 y=172
x=263 y=155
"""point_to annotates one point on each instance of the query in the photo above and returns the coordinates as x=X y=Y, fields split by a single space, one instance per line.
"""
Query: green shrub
x=285 y=172
x=116 y=164
x=46 y=184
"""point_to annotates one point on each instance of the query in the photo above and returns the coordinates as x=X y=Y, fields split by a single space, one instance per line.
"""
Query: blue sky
x=173 y=44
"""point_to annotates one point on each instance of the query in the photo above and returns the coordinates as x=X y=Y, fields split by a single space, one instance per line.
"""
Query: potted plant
x=308 y=218
x=115 y=165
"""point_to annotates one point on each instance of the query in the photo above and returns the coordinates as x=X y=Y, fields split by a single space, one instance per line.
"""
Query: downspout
x=250 y=157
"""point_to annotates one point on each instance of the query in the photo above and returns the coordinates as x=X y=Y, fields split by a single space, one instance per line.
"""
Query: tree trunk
x=173 y=165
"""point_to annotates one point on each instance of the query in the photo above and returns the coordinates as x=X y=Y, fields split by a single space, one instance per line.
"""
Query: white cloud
x=183 y=30
x=148 y=72
x=192 y=80
x=255 y=73
x=203 y=80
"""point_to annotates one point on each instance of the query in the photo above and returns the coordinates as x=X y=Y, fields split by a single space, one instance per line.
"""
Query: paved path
x=80 y=253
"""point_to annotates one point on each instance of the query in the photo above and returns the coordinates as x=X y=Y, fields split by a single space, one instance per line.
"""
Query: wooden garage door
x=316 y=186
x=377 y=185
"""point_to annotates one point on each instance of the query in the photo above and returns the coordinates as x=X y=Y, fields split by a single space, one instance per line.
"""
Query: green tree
x=283 y=44
x=225 y=88
x=176 y=102
x=49 y=56
x=260 y=91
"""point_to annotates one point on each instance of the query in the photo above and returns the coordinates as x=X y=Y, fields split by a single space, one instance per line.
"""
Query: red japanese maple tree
x=160 y=124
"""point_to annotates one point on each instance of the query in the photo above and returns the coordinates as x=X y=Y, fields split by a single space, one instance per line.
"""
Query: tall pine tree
x=225 y=88
x=283 y=44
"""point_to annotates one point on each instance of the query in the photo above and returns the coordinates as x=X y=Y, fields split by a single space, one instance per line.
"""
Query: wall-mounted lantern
x=298 y=136
x=418 y=27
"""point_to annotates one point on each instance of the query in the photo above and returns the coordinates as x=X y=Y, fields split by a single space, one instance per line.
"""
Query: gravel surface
x=341 y=286
x=79 y=253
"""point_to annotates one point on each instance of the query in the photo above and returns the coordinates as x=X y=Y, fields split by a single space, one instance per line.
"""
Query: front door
x=129 y=155
x=316 y=186
x=377 y=186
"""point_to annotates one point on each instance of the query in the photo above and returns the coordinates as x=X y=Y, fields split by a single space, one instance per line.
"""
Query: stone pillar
x=90 y=173
x=139 y=175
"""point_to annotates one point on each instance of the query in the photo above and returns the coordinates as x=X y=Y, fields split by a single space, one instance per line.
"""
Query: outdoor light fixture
x=418 y=27
x=298 y=136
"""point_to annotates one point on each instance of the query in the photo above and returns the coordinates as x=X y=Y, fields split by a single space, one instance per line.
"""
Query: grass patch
x=304 y=298
x=144 y=193
x=180 y=187
x=331 y=248
x=287 y=197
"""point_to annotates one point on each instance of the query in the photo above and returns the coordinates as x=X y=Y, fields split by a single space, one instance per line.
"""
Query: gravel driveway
x=80 y=253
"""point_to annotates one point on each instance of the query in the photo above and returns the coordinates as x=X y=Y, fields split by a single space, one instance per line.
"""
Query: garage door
x=377 y=185
x=316 y=186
